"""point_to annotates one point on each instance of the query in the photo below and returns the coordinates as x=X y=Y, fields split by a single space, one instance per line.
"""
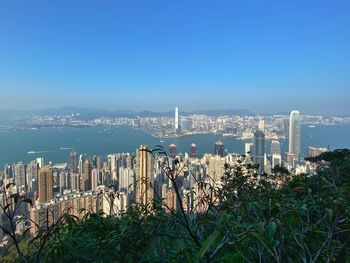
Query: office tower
x=275 y=148
x=276 y=153
x=177 y=119
x=45 y=185
x=259 y=150
x=144 y=176
x=172 y=150
x=294 y=134
x=193 y=150
x=219 y=149
x=73 y=162
x=248 y=148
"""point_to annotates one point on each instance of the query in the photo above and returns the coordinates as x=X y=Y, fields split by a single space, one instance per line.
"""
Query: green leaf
x=271 y=229
x=208 y=242
x=267 y=244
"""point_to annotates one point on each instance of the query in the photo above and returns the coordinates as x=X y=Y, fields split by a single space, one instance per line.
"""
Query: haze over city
x=265 y=56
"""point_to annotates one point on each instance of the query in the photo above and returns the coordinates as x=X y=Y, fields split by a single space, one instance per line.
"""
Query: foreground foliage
x=248 y=219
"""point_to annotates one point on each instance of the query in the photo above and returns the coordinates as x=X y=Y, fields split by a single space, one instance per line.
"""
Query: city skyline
x=266 y=57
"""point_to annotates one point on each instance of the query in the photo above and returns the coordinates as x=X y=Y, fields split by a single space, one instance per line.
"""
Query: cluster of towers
x=257 y=148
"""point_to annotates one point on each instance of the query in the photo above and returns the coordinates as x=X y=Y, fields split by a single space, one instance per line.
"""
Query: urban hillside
x=250 y=217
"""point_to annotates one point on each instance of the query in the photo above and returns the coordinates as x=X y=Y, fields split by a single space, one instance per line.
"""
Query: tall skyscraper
x=219 y=149
x=176 y=119
x=276 y=153
x=87 y=176
x=144 y=176
x=81 y=164
x=294 y=134
x=259 y=150
x=275 y=148
x=45 y=184
x=94 y=179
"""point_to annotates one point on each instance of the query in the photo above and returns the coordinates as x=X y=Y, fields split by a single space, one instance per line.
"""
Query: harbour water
x=55 y=144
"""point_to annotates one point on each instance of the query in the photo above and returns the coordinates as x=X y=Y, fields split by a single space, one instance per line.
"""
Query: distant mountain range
x=93 y=113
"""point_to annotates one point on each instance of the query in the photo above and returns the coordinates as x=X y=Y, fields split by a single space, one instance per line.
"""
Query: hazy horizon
x=267 y=57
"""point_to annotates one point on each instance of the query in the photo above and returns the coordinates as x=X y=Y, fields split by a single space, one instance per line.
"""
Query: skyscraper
x=219 y=149
x=275 y=148
x=144 y=176
x=294 y=134
x=259 y=150
x=176 y=119
x=73 y=161
x=87 y=176
x=276 y=153
x=248 y=148
x=45 y=185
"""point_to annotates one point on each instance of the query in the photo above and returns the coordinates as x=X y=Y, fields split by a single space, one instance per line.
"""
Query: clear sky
x=266 y=56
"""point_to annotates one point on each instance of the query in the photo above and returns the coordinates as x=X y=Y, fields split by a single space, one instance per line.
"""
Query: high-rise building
x=86 y=180
x=99 y=162
x=176 y=119
x=184 y=124
x=259 y=150
x=275 y=148
x=216 y=168
x=81 y=164
x=73 y=161
x=294 y=134
x=276 y=153
x=248 y=148
x=45 y=184
x=94 y=179
x=144 y=176
x=20 y=174
x=219 y=148
x=40 y=162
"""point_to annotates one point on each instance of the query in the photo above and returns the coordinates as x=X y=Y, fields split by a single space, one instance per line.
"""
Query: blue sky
x=266 y=56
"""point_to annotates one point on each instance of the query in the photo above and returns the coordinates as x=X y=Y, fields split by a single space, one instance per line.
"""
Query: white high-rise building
x=248 y=148
x=294 y=134
x=176 y=119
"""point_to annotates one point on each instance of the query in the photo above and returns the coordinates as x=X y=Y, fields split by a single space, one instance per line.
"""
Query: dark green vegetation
x=251 y=219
